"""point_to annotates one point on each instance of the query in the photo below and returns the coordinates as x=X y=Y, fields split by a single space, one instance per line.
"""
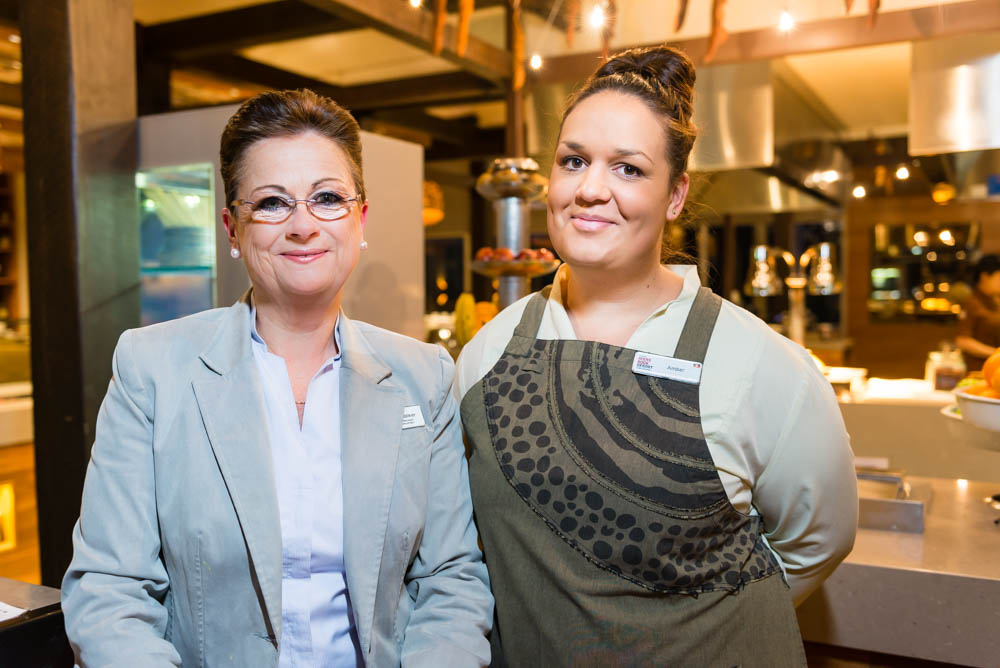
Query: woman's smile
x=304 y=256
x=589 y=222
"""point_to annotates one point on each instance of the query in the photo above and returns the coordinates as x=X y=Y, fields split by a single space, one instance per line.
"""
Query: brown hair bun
x=661 y=66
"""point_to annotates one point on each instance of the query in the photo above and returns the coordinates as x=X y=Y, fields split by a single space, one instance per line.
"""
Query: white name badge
x=667 y=367
x=412 y=417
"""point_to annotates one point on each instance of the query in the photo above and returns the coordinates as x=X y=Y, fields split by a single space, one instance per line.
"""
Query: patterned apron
x=608 y=535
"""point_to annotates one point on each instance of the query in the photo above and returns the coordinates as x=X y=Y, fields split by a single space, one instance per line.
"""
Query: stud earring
x=364 y=245
x=235 y=252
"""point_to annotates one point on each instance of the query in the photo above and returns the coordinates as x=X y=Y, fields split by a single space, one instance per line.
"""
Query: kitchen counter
x=901 y=420
x=934 y=595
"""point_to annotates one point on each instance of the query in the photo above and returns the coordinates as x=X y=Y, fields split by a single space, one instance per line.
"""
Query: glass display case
x=921 y=271
x=176 y=240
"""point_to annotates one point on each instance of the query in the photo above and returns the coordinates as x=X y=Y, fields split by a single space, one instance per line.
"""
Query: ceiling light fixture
x=786 y=22
x=597 y=17
x=902 y=173
x=859 y=192
x=415 y=4
x=535 y=62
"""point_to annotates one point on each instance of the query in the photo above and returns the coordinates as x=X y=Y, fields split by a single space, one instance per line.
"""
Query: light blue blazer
x=177 y=553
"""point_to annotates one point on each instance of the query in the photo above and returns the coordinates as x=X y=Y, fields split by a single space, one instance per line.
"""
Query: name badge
x=412 y=417
x=670 y=368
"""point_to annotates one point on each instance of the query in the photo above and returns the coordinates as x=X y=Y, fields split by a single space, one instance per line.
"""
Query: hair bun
x=663 y=66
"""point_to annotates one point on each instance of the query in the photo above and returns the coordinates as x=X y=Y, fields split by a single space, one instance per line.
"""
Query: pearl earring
x=364 y=245
x=235 y=252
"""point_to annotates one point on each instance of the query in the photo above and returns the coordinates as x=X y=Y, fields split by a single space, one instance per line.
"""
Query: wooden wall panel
x=899 y=349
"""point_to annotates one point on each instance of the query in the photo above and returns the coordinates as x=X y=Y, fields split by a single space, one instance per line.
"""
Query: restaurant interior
x=845 y=182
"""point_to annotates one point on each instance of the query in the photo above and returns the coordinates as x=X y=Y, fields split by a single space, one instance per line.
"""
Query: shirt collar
x=259 y=342
x=688 y=272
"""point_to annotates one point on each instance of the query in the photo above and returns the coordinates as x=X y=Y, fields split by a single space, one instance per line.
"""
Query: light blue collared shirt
x=317 y=625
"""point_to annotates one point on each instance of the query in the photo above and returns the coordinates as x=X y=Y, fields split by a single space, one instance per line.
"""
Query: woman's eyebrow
x=327 y=178
x=629 y=152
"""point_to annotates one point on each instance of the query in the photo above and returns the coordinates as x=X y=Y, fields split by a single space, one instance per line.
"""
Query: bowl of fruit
x=527 y=263
x=979 y=402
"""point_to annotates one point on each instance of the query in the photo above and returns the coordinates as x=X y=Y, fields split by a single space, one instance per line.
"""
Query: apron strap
x=527 y=329
x=697 y=331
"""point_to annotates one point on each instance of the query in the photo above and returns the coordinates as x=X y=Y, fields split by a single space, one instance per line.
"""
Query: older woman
x=657 y=475
x=273 y=484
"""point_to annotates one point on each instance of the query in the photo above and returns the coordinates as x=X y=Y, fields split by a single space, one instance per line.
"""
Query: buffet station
x=923 y=579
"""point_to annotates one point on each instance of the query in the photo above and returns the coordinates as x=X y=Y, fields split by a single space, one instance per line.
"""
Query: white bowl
x=981 y=412
x=964 y=432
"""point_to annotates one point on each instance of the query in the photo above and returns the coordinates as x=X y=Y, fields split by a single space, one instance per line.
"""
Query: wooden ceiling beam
x=448 y=88
x=230 y=31
x=945 y=20
x=456 y=131
x=238 y=68
x=416 y=27
x=490 y=144
x=445 y=88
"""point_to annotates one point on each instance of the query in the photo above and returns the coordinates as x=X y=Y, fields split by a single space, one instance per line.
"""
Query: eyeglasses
x=275 y=209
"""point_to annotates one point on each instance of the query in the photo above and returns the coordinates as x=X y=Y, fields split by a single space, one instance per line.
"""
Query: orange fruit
x=991 y=369
x=979 y=389
x=992 y=365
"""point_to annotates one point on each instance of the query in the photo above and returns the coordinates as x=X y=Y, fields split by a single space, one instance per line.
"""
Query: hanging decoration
x=465 y=9
x=517 y=45
x=440 y=18
x=873 y=6
x=572 y=18
x=608 y=29
x=682 y=10
x=433 y=203
x=718 y=36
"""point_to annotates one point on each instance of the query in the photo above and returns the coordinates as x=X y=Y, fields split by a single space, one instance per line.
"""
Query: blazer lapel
x=371 y=410
x=232 y=408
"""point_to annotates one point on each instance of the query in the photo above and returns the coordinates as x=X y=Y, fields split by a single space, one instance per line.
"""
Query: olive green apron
x=608 y=535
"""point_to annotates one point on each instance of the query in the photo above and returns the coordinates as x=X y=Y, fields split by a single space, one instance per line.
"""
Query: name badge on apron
x=670 y=368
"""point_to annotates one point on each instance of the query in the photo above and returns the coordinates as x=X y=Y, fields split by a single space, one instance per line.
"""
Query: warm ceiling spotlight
x=786 y=22
x=597 y=17
x=14 y=38
x=859 y=192
x=943 y=192
x=830 y=176
x=946 y=237
x=535 y=62
x=903 y=173
x=415 y=3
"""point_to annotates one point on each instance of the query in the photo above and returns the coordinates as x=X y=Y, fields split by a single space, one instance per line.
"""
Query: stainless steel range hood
x=955 y=95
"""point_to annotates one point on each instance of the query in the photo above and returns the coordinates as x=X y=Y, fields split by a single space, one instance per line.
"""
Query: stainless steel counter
x=934 y=595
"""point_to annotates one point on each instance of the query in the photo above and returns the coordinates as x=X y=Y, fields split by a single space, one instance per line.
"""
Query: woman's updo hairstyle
x=286 y=114
x=662 y=77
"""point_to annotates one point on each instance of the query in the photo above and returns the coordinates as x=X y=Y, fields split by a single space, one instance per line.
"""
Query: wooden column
x=80 y=159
